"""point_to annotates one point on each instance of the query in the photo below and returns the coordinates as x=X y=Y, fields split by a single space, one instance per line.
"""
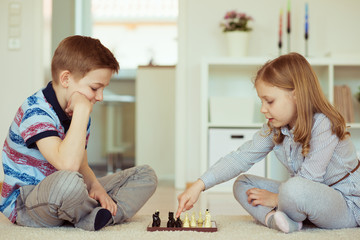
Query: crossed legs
x=63 y=196
x=298 y=199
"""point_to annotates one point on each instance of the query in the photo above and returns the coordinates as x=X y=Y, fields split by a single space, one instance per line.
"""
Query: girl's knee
x=292 y=191
x=243 y=179
x=239 y=185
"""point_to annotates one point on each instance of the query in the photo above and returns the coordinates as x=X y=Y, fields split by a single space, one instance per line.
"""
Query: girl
x=308 y=135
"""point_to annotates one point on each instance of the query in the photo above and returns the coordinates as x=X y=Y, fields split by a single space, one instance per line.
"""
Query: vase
x=237 y=43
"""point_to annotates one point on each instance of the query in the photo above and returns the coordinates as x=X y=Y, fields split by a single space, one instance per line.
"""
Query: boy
x=47 y=177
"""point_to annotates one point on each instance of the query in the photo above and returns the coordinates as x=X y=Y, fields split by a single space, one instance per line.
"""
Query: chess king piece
x=207 y=219
x=171 y=222
x=193 y=221
x=178 y=223
x=200 y=220
x=156 y=219
x=186 y=221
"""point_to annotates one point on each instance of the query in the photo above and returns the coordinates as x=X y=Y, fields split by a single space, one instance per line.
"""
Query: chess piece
x=178 y=223
x=171 y=222
x=186 y=221
x=156 y=219
x=207 y=219
x=200 y=220
x=193 y=221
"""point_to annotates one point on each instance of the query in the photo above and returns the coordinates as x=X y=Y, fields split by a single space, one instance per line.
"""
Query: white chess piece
x=207 y=219
x=193 y=221
x=186 y=221
x=200 y=220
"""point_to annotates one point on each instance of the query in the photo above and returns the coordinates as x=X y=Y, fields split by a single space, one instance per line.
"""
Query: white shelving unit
x=231 y=77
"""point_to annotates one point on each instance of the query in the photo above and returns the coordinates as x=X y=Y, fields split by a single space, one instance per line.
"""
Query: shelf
x=348 y=61
x=230 y=77
x=109 y=96
x=353 y=125
x=259 y=125
x=324 y=61
x=236 y=61
x=227 y=125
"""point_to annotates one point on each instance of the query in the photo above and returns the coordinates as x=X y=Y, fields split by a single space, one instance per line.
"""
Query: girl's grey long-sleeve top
x=328 y=160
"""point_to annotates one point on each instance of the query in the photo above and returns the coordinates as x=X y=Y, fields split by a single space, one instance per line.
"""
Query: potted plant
x=235 y=26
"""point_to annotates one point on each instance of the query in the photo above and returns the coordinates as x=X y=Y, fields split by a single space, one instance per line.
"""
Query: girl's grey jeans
x=300 y=199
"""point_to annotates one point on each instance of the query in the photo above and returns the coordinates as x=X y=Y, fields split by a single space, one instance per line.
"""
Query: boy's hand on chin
x=78 y=99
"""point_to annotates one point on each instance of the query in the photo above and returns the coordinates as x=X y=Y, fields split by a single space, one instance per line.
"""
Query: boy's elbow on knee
x=69 y=166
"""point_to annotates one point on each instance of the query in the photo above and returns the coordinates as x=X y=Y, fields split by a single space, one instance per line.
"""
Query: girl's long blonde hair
x=293 y=72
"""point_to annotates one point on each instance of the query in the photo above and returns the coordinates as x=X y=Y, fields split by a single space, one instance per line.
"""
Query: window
x=138 y=32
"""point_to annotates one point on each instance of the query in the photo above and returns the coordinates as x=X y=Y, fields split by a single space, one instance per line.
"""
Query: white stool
x=114 y=145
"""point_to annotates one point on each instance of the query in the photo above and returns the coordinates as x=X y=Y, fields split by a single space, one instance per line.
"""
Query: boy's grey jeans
x=300 y=199
x=63 y=196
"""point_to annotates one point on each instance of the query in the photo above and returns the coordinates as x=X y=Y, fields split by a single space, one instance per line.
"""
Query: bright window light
x=139 y=32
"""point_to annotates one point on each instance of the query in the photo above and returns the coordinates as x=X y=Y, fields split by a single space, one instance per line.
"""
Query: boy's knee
x=147 y=173
x=150 y=172
x=67 y=185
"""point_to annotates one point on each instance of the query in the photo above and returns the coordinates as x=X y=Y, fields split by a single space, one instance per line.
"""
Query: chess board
x=201 y=228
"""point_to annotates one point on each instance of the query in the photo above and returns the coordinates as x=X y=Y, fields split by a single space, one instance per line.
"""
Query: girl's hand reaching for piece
x=188 y=198
x=257 y=196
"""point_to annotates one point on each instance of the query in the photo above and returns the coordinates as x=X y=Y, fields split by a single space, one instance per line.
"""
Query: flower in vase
x=236 y=21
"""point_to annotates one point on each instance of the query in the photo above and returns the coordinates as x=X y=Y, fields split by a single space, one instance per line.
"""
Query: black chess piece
x=156 y=219
x=171 y=222
x=178 y=223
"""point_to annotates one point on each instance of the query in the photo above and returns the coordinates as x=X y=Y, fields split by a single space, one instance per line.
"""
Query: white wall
x=63 y=21
x=22 y=71
x=332 y=29
x=155 y=119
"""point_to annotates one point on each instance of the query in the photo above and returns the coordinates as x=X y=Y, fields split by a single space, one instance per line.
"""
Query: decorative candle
x=306 y=29
x=306 y=21
x=288 y=16
x=280 y=30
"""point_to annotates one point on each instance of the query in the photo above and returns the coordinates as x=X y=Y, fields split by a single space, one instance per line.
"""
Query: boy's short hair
x=80 y=55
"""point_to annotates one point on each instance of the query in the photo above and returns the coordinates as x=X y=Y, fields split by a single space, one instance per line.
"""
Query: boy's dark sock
x=102 y=218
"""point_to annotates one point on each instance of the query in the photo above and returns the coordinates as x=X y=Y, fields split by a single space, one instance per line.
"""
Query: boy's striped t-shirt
x=40 y=116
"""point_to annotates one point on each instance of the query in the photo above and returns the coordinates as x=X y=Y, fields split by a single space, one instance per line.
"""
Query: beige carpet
x=229 y=227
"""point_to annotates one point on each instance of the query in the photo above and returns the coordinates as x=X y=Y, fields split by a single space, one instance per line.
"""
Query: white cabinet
x=230 y=79
x=225 y=140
